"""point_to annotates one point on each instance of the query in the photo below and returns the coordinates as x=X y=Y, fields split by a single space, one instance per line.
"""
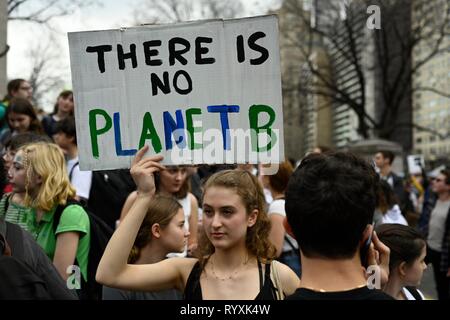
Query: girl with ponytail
x=161 y=232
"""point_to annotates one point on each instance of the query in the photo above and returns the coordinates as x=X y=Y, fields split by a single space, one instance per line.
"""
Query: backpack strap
x=59 y=210
x=414 y=292
x=290 y=244
x=6 y=205
x=71 y=170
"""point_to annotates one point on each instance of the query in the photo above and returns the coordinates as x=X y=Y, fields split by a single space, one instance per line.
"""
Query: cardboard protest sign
x=416 y=163
x=197 y=92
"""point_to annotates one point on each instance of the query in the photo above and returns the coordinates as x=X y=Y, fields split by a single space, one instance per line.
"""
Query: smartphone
x=364 y=251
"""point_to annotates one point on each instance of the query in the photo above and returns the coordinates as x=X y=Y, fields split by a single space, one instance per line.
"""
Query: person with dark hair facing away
x=330 y=201
x=436 y=228
x=406 y=261
x=66 y=138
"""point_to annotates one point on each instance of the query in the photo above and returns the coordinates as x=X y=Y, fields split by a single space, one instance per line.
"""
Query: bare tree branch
x=43 y=11
x=434 y=90
x=344 y=43
x=45 y=75
x=166 y=11
x=424 y=129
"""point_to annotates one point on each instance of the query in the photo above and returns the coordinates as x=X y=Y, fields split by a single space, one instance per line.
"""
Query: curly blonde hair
x=46 y=160
x=251 y=193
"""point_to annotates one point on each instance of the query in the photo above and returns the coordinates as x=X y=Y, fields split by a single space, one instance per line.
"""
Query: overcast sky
x=112 y=14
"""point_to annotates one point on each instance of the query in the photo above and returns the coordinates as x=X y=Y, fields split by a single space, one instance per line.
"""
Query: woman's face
x=17 y=174
x=225 y=218
x=172 y=179
x=414 y=271
x=65 y=104
x=175 y=234
x=19 y=122
x=18 y=178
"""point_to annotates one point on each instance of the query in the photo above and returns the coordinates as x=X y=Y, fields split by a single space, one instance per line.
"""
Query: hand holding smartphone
x=364 y=252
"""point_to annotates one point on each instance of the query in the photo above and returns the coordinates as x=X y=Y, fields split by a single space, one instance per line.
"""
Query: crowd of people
x=312 y=230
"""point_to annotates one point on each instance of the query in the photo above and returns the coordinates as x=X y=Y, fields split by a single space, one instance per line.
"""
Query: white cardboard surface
x=128 y=92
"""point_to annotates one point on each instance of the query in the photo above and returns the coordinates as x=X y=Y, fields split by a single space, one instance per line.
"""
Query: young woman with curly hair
x=236 y=257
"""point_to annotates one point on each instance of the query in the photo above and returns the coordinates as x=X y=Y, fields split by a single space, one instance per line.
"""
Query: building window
x=419 y=140
x=432 y=138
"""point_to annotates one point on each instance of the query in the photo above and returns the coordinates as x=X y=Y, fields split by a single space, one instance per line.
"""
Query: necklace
x=323 y=290
x=232 y=275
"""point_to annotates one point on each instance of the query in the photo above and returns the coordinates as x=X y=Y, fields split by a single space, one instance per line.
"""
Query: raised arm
x=193 y=225
x=113 y=269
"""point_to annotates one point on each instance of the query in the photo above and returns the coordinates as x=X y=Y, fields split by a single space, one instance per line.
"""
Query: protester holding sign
x=236 y=257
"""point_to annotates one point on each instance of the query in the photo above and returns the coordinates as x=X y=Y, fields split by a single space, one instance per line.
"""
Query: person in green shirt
x=39 y=171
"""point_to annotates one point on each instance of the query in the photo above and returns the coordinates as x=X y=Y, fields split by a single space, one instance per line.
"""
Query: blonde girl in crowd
x=39 y=174
x=235 y=260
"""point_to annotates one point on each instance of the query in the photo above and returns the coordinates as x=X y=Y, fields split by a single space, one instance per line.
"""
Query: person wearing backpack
x=25 y=270
x=61 y=227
